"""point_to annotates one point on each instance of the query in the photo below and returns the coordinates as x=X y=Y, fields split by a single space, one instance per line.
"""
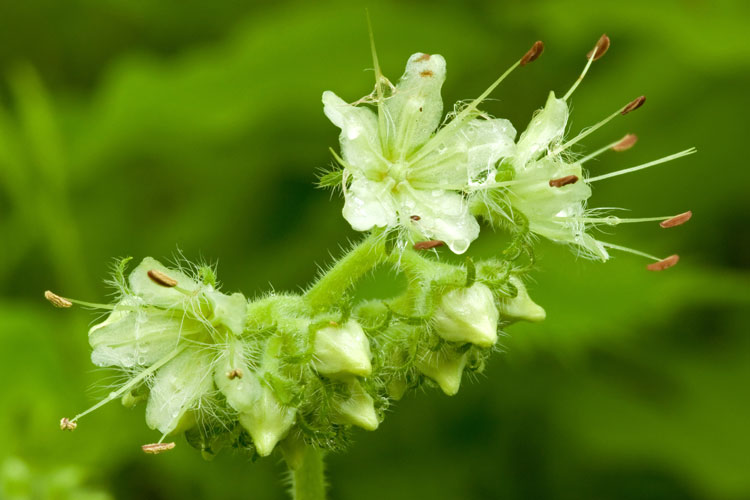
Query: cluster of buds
x=251 y=374
x=402 y=171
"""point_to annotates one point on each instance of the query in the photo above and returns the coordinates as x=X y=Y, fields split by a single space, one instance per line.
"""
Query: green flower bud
x=444 y=368
x=177 y=388
x=258 y=409
x=521 y=307
x=358 y=409
x=342 y=351
x=267 y=420
x=467 y=315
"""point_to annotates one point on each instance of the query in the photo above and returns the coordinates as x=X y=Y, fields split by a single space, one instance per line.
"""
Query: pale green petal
x=177 y=388
x=228 y=310
x=368 y=204
x=129 y=338
x=545 y=129
x=416 y=109
x=158 y=295
x=467 y=152
x=556 y=212
x=243 y=390
x=360 y=142
x=442 y=215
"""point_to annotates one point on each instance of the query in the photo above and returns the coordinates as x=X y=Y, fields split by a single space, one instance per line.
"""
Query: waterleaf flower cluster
x=297 y=372
x=397 y=165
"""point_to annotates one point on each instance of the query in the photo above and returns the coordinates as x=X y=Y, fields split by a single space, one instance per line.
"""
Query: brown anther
x=534 y=52
x=67 y=425
x=637 y=103
x=423 y=57
x=563 y=181
x=426 y=245
x=677 y=220
x=156 y=448
x=600 y=48
x=56 y=300
x=333 y=323
x=625 y=143
x=664 y=263
x=233 y=374
x=426 y=73
x=415 y=217
x=161 y=279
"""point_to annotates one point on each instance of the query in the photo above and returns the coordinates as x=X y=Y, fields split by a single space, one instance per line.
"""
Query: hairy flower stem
x=331 y=287
x=308 y=479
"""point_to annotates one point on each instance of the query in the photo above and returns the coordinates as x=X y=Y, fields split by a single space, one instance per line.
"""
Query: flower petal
x=158 y=295
x=468 y=152
x=130 y=338
x=177 y=388
x=416 y=109
x=546 y=127
x=369 y=204
x=442 y=215
x=360 y=142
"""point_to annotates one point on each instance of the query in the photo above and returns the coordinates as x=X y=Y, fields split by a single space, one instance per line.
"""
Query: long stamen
x=66 y=302
x=657 y=265
x=131 y=383
x=630 y=250
x=623 y=144
x=631 y=106
x=645 y=165
x=598 y=51
x=531 y=55
x=666 y=221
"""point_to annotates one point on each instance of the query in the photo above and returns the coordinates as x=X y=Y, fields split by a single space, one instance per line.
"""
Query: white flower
x=158 y=331
x=398 y=173
x=554 y=210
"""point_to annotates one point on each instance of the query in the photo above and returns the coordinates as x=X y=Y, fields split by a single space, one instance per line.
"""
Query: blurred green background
x=137 y=128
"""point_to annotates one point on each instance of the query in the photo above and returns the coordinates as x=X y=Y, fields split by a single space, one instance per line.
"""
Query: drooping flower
x=549 y=187
x=163 y=333
x=398 y=173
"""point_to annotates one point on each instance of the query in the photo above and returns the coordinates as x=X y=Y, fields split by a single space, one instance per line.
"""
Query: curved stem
x=308 y=479
x=331 y=287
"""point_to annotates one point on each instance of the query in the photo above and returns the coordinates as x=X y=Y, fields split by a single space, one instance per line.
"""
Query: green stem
x=332 y=286
x=308 y=479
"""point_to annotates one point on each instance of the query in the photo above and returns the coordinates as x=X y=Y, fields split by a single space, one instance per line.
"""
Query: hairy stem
x=332 y=286
x=308 y=480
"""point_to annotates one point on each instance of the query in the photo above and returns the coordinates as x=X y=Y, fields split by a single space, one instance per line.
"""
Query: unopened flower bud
x=445 y=369
x=267 y=420
x=468 y=315
x=358 y=409
x=342 y=351
x=521 y=307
